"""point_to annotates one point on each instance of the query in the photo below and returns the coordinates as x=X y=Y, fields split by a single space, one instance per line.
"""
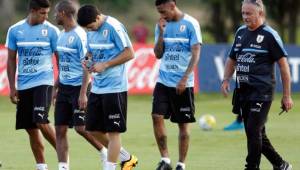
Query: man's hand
x=162 y=24
x=54 y=94
x=287 y=103
x=14 y=97
x=98 y=67
x=82 y=101
x=225 y=87
x=181 y=86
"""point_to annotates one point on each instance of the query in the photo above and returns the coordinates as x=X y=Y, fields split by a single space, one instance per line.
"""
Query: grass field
x=214 y=150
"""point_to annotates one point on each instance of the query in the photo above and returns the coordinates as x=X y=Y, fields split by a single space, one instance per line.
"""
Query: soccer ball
x=207 y=122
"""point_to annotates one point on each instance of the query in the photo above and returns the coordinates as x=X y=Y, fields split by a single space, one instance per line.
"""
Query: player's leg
x=183 y=143
x=37 y=145
x=160 y=112
x=271 y=154
x=113 y=148
x=24 y=120
x=94 y=142
x=160 y=134
x=255 y=117
x=42 y=102
x=62 y=147
x=184 y=109
x=79 y=117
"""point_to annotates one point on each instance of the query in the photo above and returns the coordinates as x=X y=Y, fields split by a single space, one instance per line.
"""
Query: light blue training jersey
x=106 y=44
x=179 y=37
x=71 y=48
x=35 y=45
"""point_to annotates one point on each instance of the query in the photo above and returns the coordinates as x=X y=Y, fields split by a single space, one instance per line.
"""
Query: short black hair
x=159 y=2
x=68 y=7
x=38 y=4
x=87 y=14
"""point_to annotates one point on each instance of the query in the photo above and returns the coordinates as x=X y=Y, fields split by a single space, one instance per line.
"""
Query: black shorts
x=107 y=112
x=179 y=108
x=33 y=107
x=67 y=110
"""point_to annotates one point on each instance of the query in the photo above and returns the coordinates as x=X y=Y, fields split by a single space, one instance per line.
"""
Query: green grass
x=214 y=150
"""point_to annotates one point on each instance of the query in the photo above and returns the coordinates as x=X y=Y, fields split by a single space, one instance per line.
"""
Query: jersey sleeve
x=233 y=50
x=53 y=39
x=121 y=38
x=195 y=34
x=156 y=34
x=11 y=42
x=82 y=45
x=277 y=50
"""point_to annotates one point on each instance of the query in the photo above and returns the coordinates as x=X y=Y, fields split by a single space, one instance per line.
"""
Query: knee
x=80 y=130
x=184 y=135
x=254 y=134
x=41 y=126
x=94 y=134
x=157 y=119
x=60 y=134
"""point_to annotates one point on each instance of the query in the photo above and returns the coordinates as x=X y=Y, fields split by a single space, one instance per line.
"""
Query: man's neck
x=69 y=25
x=31 y=21
x=179 y=15
x=259 y=23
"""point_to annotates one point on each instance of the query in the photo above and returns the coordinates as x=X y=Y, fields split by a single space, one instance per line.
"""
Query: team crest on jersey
x=44 y=32
x=260 y=38
x=105 y=33
x=182 y=28
x=71 y=39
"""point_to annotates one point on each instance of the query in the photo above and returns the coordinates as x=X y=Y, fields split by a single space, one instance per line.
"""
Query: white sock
x=103 y=154
x=41 y=167
x=181 y=164
x=166 y=160
x=110 y=166
x=63 y=166
x=124 y=155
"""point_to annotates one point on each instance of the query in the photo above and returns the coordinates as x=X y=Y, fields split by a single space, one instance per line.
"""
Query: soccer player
x=71 y=49
x=110 y=48
x=177 y=43
x=256 y=49
x=34 y=40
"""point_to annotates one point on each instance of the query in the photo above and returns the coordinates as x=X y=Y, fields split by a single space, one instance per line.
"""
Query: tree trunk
x=218 y=23
x=293 y=19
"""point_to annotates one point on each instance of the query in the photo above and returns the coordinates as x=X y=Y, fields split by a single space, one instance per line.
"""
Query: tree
x=225 y=18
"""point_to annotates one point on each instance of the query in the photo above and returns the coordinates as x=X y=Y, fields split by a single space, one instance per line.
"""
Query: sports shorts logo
x=81 y=117
x=187 y=115
x=78 y=111
x=41 y=115
x=117 y=123
x=185 y=109
x=259 y=104
x=114 y=116
x=41 y=108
